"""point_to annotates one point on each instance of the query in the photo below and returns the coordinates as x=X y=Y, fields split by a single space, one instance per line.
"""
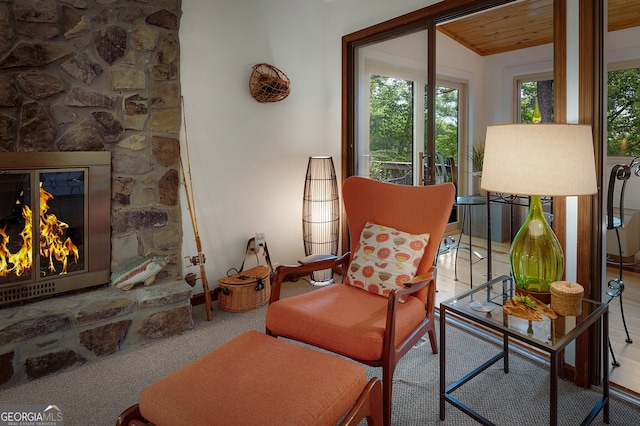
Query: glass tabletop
x=484 y=305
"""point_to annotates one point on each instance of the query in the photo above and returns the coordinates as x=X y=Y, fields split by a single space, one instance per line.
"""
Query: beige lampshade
x=539 y=159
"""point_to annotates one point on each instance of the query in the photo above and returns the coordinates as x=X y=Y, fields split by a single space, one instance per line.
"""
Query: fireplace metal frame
x=97 y=238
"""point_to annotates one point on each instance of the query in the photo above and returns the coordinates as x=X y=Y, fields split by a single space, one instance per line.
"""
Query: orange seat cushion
x=342 y=319
x=256 y=379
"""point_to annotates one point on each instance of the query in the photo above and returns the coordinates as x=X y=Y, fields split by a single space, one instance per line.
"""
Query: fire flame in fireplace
x=52 y=245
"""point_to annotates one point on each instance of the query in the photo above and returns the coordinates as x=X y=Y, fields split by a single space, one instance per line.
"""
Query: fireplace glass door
x=42 y=224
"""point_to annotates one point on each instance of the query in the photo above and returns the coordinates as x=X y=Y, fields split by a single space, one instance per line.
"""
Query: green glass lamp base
x=536 y=257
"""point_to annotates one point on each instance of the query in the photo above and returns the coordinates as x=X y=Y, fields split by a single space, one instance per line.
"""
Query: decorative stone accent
x=129 y=14
x=131 y=164
x=81 y=75
x=136 y=110
x=163 y=18
x=166 y=323
x=167 y=240
x=111 y=127
x=131 y=220
x=144 y=38
x=29 y=328
x=62 y=115
x=82 y=137
x=165 y=95
x=127 y=77
x=105 y=339
x=36 y=132
x=168 y=188
x=103 y=309
x=167 y=60
x=81 y=97
x=157 y=296
x=111 y=44
x=166 y=121
x=166 y=151
x=74 y=24
x=146 y=196
x=81 y=68
x=122 y=189
x=39 y=85
x=37 y=19
x=6 y=30
x=6 y=129
x=6 y=367
x=134 y=143
x=8 y=93
x=34 y=55
x=40 y=366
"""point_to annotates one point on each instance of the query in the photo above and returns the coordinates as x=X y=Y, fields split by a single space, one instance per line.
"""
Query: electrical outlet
x=260 y=241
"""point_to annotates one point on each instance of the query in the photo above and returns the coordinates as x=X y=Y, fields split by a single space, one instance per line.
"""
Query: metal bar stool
x=466 y=202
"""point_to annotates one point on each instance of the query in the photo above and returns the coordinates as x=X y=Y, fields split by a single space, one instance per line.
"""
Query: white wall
x=248 y=159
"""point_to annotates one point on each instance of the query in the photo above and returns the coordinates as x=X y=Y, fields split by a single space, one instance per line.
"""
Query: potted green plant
x=477 y=160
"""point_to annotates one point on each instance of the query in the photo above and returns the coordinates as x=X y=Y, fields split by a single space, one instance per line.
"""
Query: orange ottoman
x=258 y=379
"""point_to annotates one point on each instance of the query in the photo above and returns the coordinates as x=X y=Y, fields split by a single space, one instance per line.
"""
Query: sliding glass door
x=393 y=146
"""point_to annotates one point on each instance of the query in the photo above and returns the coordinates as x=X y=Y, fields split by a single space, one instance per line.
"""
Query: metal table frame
x=497 y=292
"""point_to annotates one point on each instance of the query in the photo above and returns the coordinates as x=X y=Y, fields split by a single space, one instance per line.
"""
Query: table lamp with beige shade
x=538 y=160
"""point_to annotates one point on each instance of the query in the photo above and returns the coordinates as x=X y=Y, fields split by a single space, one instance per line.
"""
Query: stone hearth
x=103 y=75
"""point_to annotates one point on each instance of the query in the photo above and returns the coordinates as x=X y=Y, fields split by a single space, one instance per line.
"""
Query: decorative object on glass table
x=566 y=298
x=533 y=159
x=528 y=307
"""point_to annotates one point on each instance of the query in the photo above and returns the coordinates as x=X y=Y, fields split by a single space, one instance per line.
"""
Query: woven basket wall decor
x=268 y=84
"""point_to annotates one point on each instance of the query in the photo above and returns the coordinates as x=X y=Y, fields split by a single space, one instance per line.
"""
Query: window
x=391 y=129
x=535 y=99
x=623 y=111
x=396 y=117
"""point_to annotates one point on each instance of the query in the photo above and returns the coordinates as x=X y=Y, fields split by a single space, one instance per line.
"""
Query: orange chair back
x=413 y=209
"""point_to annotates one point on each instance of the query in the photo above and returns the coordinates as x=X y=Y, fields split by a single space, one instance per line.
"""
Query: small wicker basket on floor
x=566 y=298
x=245 y=291
x=268 y=84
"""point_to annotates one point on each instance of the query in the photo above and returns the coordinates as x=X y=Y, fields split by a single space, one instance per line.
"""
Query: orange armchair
x=350 y=321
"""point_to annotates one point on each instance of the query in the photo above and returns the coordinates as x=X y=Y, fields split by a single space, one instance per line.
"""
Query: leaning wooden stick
x=192 y=213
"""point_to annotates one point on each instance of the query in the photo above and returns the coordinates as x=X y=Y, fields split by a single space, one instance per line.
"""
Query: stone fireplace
x=82 y=75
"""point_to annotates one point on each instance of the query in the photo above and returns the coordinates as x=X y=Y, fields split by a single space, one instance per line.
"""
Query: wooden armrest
x=311 y=264
x=316 y=258
x=420 y=278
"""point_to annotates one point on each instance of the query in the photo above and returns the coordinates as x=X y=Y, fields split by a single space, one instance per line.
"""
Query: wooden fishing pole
x=194 y=223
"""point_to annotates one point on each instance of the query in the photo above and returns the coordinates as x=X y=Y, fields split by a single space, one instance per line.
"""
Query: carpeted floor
x=96 y=393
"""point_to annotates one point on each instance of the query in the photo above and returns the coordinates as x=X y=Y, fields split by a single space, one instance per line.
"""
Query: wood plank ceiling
x=523 y=24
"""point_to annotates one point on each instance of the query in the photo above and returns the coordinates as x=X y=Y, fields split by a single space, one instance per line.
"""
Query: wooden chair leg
x=131 y=417
x=387 y=392
x=368 y=405
x=431 y=332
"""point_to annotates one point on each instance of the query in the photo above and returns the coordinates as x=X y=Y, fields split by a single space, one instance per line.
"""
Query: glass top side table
x=483 y=305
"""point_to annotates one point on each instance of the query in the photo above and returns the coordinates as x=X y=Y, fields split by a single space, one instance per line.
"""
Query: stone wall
x=93 y=75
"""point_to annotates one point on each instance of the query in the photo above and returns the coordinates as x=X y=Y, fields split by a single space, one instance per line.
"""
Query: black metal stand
x=615 y=286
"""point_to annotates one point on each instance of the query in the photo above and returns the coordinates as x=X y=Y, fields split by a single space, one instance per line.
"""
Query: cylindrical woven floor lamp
x=321 y=213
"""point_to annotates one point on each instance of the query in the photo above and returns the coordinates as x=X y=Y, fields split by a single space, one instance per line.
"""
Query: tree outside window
x=623 y=113
x=534 y=92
